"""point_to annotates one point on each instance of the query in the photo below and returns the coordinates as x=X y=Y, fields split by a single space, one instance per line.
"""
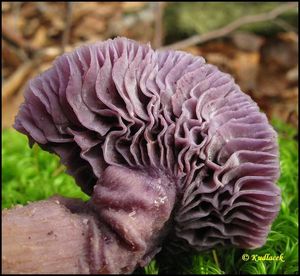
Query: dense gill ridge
x=122 y=103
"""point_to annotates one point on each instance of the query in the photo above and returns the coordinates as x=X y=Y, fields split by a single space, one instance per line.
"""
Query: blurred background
x=255 y=42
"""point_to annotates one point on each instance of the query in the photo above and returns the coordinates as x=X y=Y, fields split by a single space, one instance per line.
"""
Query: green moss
x=33 y=174
x=151 y=268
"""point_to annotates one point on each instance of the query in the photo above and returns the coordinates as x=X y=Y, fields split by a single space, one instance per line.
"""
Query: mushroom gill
x=160 y=134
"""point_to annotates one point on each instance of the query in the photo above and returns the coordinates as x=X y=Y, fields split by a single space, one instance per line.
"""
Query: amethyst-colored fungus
x=165 y=145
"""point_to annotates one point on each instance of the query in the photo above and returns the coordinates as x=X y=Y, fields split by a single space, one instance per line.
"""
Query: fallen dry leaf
x=14 y=82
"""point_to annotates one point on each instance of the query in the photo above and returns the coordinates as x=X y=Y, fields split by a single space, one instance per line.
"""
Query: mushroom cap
x=122 y=103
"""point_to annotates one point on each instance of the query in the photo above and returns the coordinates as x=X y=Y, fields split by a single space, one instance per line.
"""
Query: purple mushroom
x=165 y=145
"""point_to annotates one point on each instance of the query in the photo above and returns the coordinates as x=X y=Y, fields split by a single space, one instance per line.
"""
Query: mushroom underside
x=119 y=103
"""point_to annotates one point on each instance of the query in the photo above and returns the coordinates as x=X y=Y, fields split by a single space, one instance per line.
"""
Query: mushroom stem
x=120 y=228
x=43 y=237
